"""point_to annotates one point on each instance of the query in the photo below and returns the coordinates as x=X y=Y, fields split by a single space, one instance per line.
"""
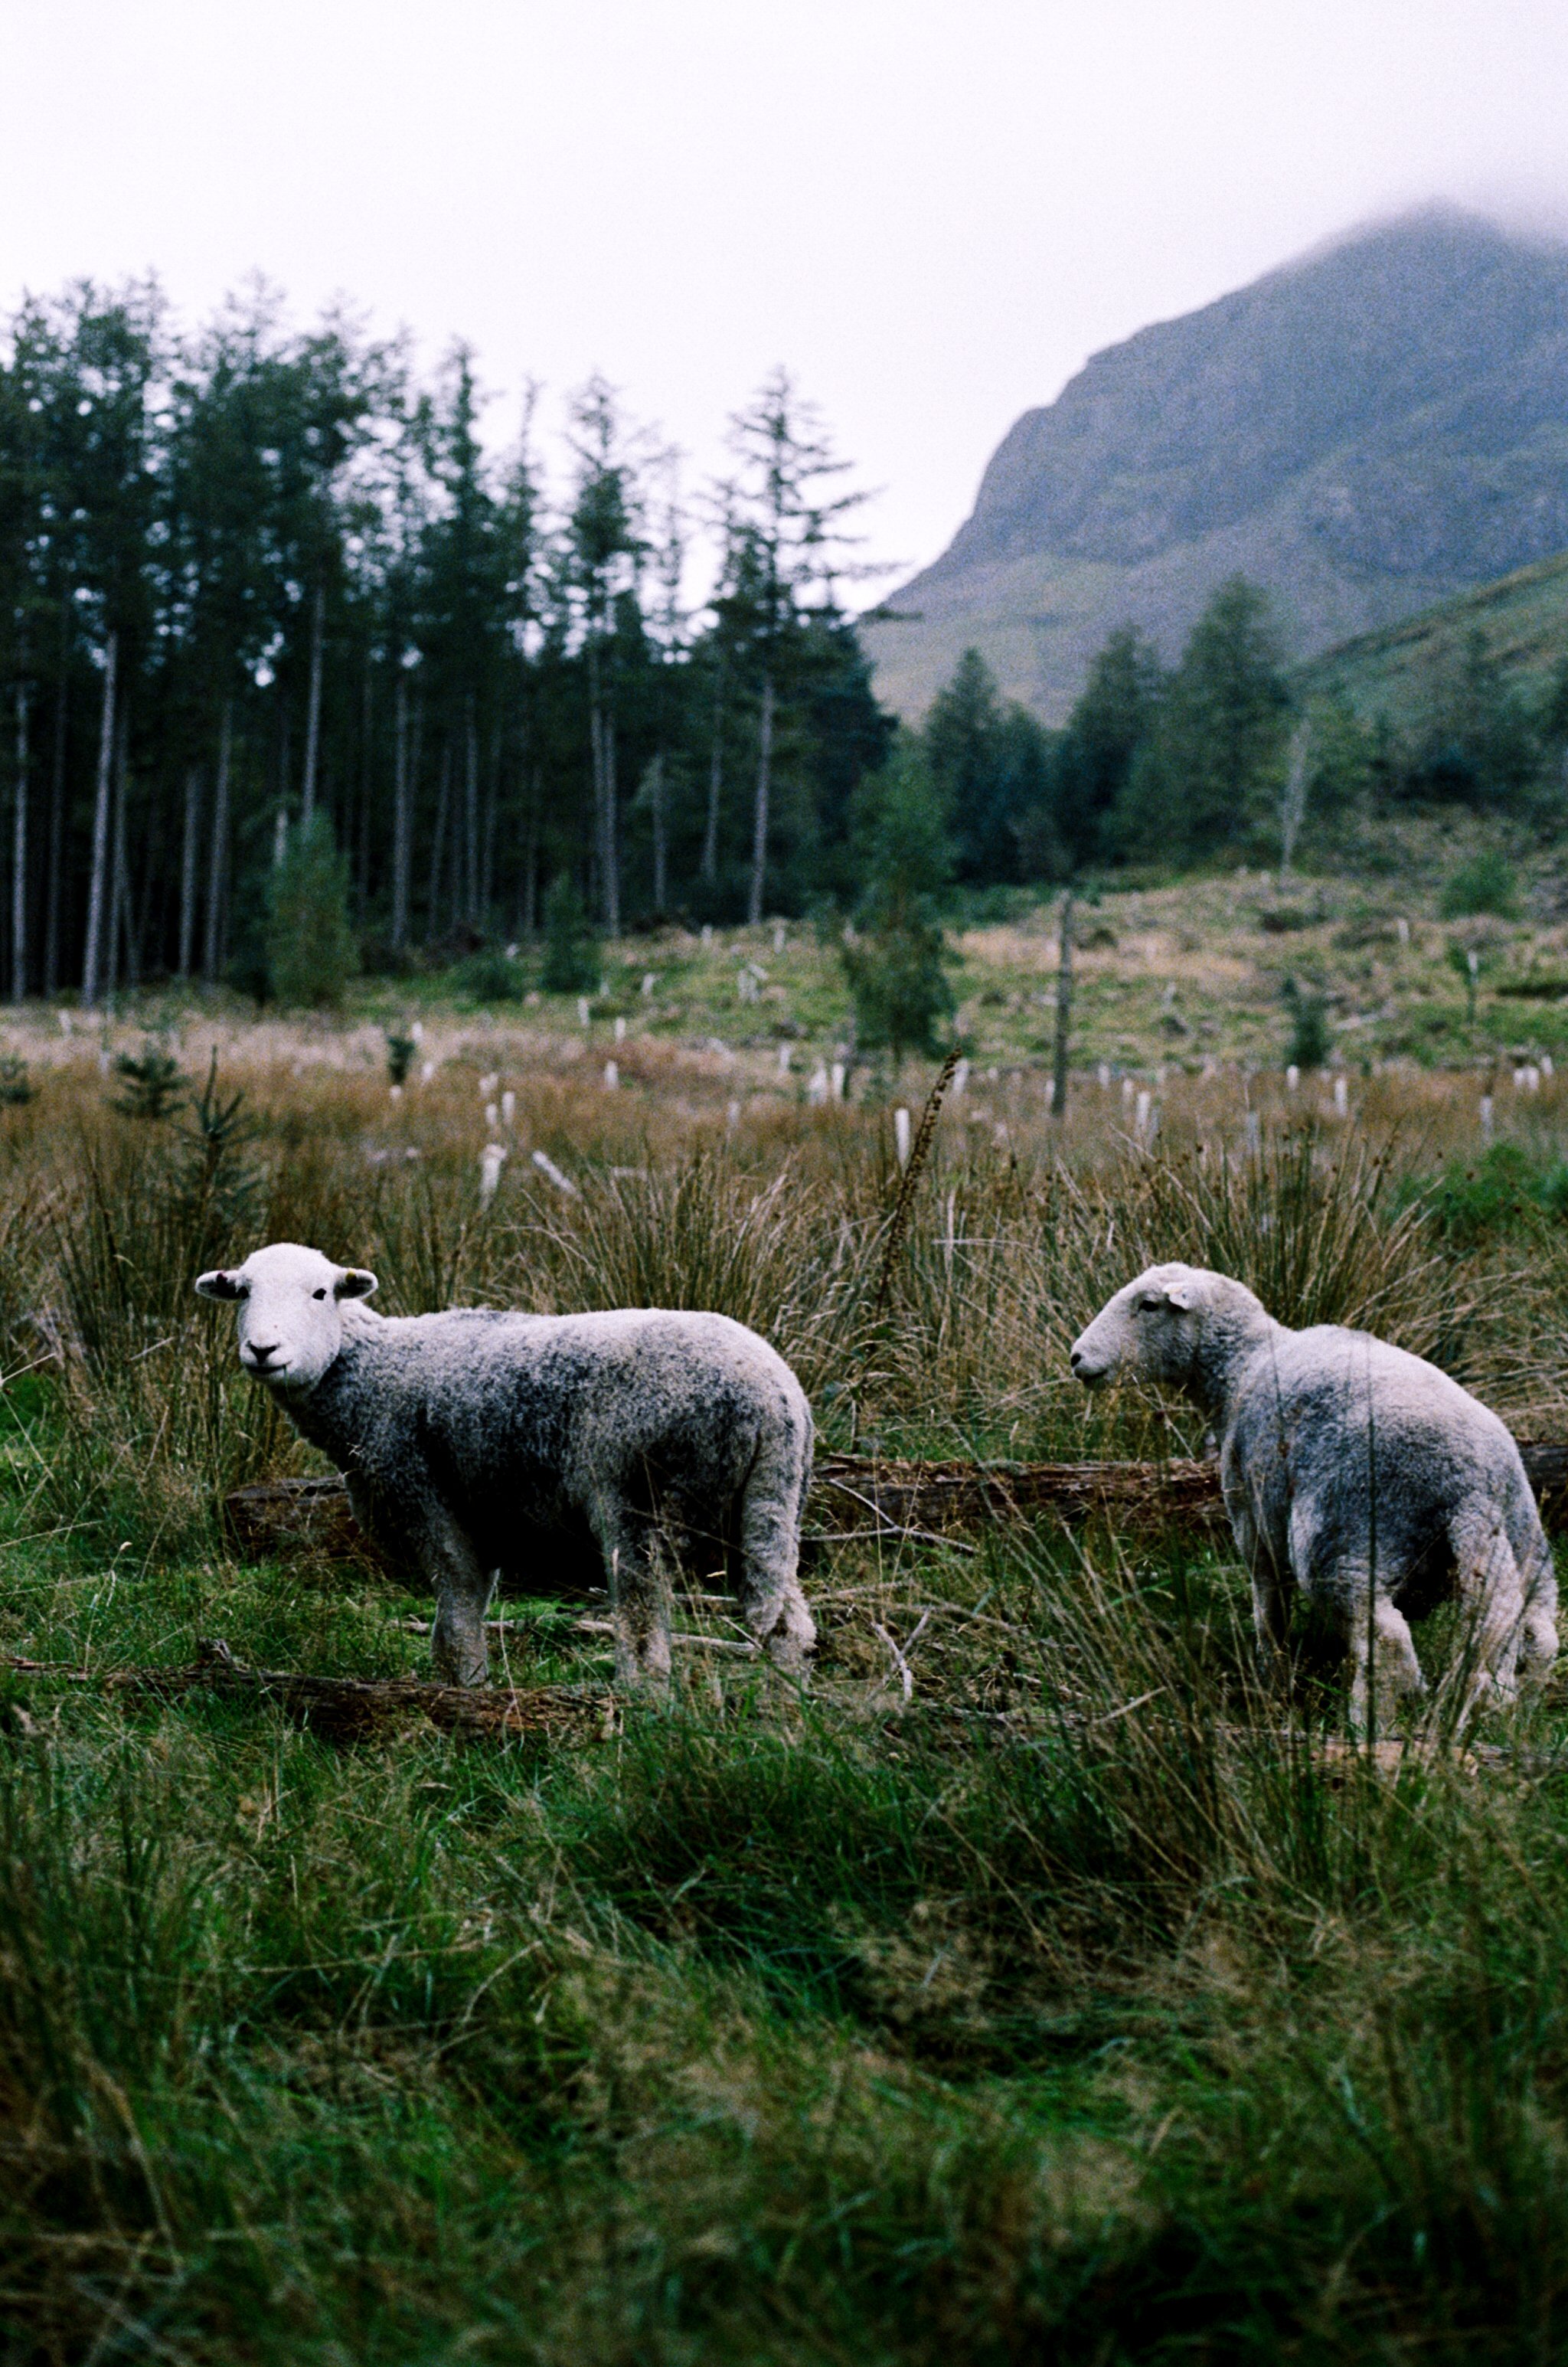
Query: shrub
x=16 y=1086
x=400 y=1051
x=1484 y=884
x=572 y=951
x=310 y=952
x=491 y=975
x=1309 y=1045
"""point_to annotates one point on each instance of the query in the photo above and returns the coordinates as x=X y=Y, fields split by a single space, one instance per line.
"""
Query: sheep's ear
x=219 y=1285
x=1181 y=1294
x=354 y=1283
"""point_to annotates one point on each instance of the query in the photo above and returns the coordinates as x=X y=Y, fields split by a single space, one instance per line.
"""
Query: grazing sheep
x=1308 y=1421
x=470 y=1438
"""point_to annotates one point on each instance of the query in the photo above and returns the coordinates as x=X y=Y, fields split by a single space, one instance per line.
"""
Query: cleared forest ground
x=1070 y=1998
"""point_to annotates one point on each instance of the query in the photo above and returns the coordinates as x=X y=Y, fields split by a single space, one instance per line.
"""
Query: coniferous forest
x=262 y=584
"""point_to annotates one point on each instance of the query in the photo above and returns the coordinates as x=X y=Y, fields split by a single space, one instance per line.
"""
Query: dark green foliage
x=1465 y=961
x=152 y=1084
x=16 y=1086
x=491 y=975
x=896 y=968
x=990 y=764
x=571 y=949
x=1475 y=742
x=310 y=951
x=400 y=1051
x=1484 y=884
x=1309 y=1044
x=1113 y=716
x=1212 y=762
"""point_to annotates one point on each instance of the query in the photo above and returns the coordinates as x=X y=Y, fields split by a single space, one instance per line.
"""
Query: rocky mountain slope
x=1364 y=432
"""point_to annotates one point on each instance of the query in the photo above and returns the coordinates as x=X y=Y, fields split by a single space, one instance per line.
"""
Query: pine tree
x=896 y=967
x=1209 y=769
x=1112 y=717
x=310 y=952
x=572 y=951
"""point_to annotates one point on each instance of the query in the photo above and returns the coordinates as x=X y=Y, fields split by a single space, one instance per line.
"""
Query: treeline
x=261 y=588
x=1223 y=755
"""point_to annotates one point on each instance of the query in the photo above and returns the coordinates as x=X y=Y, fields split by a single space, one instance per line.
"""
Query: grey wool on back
x=471 y=1438
x=1354 y=1474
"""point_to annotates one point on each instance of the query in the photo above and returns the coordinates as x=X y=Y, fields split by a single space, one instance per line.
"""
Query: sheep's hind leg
x=1382 y=1655
x=463 y=1587
x=639 y=1595
x=1493 y=1594
x=777 y=1616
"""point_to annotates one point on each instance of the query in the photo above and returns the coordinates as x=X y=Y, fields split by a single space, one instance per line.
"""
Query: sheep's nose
x=1076 y=1360
x=261 y=1353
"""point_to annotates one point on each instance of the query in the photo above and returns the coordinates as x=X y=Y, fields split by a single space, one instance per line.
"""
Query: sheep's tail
x=773 y=1507
x=1511 y=1610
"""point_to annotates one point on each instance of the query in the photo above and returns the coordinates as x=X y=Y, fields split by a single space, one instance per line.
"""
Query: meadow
x=1033 y=1986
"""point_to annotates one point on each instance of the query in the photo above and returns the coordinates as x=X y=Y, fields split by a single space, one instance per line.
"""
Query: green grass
x=1093 y=2005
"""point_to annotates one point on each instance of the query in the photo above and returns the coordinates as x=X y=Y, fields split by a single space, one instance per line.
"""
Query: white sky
x=932 y=210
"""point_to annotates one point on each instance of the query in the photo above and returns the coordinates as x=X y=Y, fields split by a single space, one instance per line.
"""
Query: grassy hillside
x=1522 y=618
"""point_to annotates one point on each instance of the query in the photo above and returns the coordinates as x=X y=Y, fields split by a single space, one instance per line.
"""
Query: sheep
x=1308 y=1421
x=470 y=1438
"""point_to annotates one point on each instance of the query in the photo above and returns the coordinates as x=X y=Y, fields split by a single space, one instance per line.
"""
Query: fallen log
x=869 y=1498
x=354 y=1709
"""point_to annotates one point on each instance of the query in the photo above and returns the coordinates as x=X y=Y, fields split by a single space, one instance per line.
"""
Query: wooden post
x=1063 y=1011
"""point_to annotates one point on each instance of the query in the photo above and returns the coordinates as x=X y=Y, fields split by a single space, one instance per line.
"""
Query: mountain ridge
x=1363 y=431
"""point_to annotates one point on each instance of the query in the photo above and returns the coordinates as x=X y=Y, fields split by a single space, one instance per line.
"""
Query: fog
x=932 y=213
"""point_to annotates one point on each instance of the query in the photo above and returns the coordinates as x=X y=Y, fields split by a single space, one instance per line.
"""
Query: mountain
x=1363 y=432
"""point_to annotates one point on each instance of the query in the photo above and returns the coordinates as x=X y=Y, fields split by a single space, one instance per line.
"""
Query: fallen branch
x=923 y=1503
x=353 y=1709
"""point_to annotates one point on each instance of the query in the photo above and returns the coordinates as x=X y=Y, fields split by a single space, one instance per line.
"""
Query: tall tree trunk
x=188 y=853
x=716 y=786
x=119 y=896
x=660 y=857
x=401 y=814
x=602 y=743
x=470 y=813
x=1064 y=1010
x=19 y=855
x=313 y=711
x=218 y=863
x=54 y=884
x=531 y=858
x=492 y=817
x=366 y=747
x=759 y=813
x=432 y=920
x=99 y=878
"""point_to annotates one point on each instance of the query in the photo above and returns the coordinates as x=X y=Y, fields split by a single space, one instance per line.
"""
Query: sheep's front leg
x=1271 y=1591
x=462 y=1597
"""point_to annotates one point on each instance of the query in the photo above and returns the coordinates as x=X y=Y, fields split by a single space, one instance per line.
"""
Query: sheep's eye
x=318 y=1294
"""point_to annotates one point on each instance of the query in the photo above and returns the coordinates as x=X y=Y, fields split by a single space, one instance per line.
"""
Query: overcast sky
x=932 y=210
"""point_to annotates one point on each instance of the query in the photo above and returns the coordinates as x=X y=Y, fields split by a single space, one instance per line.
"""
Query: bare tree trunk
x=313 y=711
x=759 y=813
x=401 y=814
x=491 y=819
x=189 y=870
x=432 y=924
x=602 y=741
x=716 y=786
x=1063 y=1011
x=470 y=815
x=661 y=853
x=1293 y=797
x=54 y=884
x=98 y=887
x=218 y=860
x=119 y=899
x=19 y=855
x=531 y=860
x=367 y=721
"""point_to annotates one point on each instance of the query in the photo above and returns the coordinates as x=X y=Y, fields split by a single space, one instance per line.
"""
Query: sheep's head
x=289 y=1302
x=1148 y=1331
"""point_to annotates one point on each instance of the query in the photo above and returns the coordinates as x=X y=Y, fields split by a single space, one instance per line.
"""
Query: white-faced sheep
x=470 y=1437
x=1355 y=1474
